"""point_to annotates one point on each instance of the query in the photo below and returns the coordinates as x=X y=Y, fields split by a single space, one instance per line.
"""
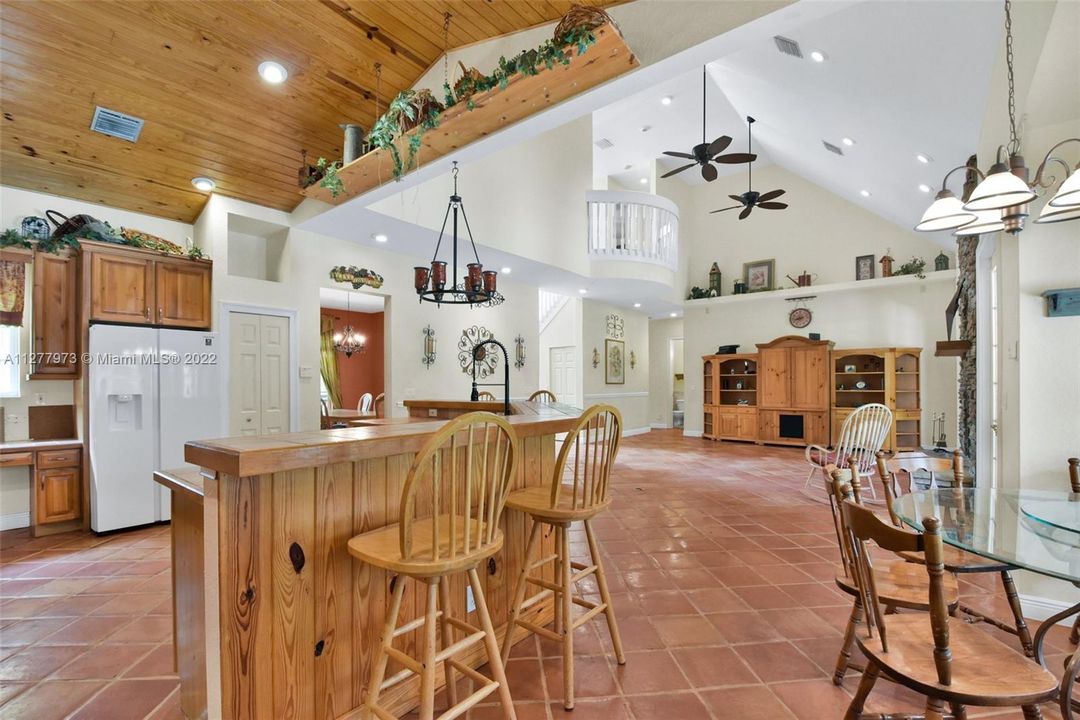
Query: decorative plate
x=800 y=317
x=860 y=385
x=489 y=356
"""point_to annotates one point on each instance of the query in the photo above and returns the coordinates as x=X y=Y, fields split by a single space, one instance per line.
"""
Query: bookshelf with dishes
x=730 y=397
x=889 y=376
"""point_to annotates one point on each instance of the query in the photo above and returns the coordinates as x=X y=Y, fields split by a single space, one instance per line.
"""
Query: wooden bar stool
x=578 y=492
x=451 y=503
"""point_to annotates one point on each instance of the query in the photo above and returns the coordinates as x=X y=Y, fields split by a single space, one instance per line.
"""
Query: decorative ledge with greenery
x=399 y=134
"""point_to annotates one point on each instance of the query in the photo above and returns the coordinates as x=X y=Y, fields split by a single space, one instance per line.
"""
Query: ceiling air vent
x=787 y=46
x=832 y=148
x=604 y=144
x=116 y=124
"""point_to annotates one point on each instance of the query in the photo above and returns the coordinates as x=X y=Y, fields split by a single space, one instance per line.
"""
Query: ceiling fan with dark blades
x=750 y=199
x=708 y=153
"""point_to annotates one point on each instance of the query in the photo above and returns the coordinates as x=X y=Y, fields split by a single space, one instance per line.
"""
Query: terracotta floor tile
x=86 y=630
x=687 y=631
x=665 y=602
x=592 y=677
x=101 y=663
x=778 y=661
x=25 y=632
x=36 y=662
x=649 y=672
x=613 y=708
x=716 y=599
x=126 y=700
x=50 y=700
x=713 y=667
x=149 y=628
x=755 y=702
x=813 y=699
x=681 y=705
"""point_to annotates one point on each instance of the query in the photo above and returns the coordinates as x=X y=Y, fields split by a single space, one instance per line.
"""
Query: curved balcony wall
x=633 y=227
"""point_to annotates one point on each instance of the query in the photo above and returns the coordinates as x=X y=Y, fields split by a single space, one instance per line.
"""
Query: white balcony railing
x=633 y=226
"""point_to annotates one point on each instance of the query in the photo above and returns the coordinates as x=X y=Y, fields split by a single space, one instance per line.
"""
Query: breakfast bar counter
x=291 y=619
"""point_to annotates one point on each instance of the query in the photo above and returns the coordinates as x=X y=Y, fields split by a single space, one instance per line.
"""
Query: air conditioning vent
x=832 y=148
x=604 y=144
x=787 y=46
x=116 y=124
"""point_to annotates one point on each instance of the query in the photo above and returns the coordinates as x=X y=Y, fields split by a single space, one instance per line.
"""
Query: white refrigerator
x=151 y=391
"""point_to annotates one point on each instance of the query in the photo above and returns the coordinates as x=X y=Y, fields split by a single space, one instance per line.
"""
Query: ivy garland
x=419 y=112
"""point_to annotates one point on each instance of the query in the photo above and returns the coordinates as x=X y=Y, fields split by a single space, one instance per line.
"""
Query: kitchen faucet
x=506 y=373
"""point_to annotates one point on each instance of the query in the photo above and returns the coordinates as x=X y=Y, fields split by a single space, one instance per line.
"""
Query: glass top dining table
x=1037 y=530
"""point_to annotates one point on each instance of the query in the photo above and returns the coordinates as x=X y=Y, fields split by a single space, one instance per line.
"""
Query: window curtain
x=329 y=360
x=12 y=291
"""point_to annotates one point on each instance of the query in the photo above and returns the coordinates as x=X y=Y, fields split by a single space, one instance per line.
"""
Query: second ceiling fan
x=751 y=199
x=707 y=153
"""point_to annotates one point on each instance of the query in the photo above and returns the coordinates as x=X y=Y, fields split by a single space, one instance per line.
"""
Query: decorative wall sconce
x=633 y=359
x=595 y=358
x=519 y=352
x=429 y=347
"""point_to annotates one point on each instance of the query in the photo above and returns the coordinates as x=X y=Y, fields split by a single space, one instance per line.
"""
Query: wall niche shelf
x=492 y=111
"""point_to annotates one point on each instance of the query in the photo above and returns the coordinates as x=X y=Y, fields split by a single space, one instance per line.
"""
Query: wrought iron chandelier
x=477 y=286
x=348 y=341
x=1001 y=200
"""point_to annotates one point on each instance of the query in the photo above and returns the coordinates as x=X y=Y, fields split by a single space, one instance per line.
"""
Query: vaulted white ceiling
x=899 y=79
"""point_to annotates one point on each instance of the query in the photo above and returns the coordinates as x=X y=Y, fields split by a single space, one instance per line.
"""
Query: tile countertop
x=29 y=445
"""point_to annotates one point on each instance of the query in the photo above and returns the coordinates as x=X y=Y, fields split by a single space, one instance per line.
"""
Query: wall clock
x=489 y=355
x=800 y=317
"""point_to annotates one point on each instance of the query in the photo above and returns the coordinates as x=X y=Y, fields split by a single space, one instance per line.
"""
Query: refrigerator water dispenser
x=125 y=413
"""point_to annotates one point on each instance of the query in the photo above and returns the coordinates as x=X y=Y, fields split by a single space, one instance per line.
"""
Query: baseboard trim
x=660 y=426
x=636 y=431
x=691 y=433
x=14 y=521
x=1040 y=608
x=608 y=395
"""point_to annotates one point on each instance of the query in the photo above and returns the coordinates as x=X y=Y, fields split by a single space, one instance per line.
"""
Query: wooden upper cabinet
x=140 y=287
x=183 y=293
x=55 y=317
x=810 y=378
x=121 y=288
x=774 y=385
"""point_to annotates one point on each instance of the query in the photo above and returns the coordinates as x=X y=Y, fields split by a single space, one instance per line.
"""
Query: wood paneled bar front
x=292 y=621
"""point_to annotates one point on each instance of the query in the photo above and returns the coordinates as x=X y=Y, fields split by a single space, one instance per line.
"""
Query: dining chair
x=379 y=405
x=577 y=492
x=324 y=414
x=951 y=663
x=364 y=405
x=485 y=396
x=543 y=396
x=892 y=471
x=1074 y=484
x=451 y=503
x=899 y=584
x=861 y=436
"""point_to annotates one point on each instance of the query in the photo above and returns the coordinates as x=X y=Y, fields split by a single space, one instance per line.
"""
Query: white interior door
x=259 y=391
x=274 y=374
x=563 y=368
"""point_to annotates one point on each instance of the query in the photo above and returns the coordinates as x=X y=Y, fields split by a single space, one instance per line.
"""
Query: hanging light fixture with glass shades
x=347 y=340
x=1001 y=201
x=477 y=286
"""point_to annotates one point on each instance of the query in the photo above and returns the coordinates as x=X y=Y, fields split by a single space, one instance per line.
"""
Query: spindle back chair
x=543 y=396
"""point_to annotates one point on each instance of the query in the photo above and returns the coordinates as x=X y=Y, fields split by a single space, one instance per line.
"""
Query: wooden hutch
x=797 y=391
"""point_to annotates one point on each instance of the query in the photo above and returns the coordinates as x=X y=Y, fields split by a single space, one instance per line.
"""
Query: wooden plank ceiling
x=189 y=69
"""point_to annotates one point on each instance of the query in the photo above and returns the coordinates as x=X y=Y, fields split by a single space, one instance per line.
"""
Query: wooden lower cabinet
x=787 y=427
x=57 y=494
x=737 y=423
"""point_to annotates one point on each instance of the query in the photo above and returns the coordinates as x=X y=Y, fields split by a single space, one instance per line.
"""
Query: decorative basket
x=138 y=238
x=580 y=16
x=67 y=225
x=466 y=84
x=424 y=103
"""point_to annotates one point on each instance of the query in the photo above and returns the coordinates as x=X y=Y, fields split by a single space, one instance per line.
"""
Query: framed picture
x=850 y=369
x=759 y=275
x=614 y=362
x=864 y=267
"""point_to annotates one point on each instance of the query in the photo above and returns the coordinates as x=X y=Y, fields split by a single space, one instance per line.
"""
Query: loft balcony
x=632 y=227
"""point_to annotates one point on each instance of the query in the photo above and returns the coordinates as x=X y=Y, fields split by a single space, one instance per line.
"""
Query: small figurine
x=886 y=264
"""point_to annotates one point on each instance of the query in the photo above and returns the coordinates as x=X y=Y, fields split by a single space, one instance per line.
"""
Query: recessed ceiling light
x=646 y=128
x=923 y=187
x=637 y=305
x=847 y=141
x=817 y=56
x=644 y=181
x=273 y=72
x=379 y=237
x=864 y=193
x=505 y=271
x=674 y=314
x=583 y=291
x=627 y=167
x=924 y=159
x=666 y=100
x=203 y=184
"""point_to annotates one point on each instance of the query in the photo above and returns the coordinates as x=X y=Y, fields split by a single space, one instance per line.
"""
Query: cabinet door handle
x=147 y=313
x=160 y=313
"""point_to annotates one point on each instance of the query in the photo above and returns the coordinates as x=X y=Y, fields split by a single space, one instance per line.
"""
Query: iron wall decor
x=429 y=346
x=595 y=358
x=865 y=267
x=614 y=326
x=614 y=362
x=358 y=277
x=519 y=352
x=486 y=361
x=633 y=360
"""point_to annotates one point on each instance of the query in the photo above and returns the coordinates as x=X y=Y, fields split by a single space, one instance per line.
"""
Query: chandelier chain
x=446 y=48
x=378 y=87
x=1014 y=141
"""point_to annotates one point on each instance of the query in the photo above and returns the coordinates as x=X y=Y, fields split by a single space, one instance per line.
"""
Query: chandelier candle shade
x=478 y=286
x=1001 y=201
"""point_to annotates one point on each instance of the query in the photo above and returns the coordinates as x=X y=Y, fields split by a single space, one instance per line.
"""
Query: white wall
x=632 y=398
x=15 y=204
x=662 y=367
x=884 y=313
x=564 y=330
x=819 y=232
